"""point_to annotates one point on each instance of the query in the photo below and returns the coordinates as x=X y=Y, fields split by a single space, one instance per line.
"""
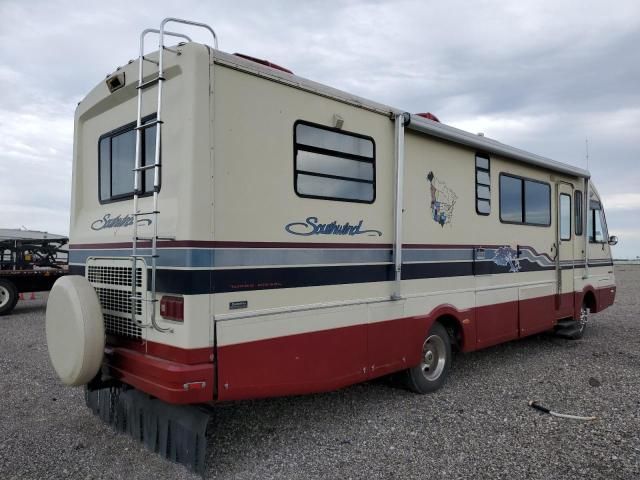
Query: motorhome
x=239 y=232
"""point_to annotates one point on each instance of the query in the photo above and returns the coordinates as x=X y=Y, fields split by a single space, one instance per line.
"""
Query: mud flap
x=176 y=432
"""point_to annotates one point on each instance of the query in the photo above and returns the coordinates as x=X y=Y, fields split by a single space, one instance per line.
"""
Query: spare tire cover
x=75 y=330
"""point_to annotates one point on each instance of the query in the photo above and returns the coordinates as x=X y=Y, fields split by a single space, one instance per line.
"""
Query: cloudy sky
x=539 y=75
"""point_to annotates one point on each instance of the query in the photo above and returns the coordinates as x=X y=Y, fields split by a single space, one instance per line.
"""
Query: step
x=566 y=323
x=569 y=332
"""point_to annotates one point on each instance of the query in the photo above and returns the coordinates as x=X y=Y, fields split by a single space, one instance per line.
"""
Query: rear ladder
x=156 y=165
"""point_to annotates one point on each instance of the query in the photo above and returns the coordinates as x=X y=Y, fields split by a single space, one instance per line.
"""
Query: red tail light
x=172 y=308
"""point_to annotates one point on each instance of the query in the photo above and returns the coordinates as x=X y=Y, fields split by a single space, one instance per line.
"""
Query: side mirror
x=613 y=240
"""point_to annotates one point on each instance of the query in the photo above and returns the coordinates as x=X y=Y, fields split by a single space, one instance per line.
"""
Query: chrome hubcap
x=584 y=317
x=433 y=357
x=4 y=296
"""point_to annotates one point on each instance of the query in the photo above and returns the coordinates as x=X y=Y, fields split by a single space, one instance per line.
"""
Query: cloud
x=622 y=201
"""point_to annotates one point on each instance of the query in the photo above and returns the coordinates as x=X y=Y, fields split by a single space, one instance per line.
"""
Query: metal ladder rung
x=142 y=214
x=150 y=83
x=155 y=62
x=144 y=256
x=166 y=238
x=148 y=125
x=147 y=167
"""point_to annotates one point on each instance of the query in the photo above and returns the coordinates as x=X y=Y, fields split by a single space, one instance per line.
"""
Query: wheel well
x=453 y=328
x=589 y=300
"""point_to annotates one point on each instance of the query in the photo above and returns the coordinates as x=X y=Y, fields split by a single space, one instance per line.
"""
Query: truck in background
x=30 y=261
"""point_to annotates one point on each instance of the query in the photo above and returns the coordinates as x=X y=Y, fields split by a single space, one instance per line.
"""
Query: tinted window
x=313 y=136
x=597 y=226
x=123 y=148
x=510 y=199
x=537 y=203
x=483 y=185
x=524 y=201
x=565 y=217
x=482 y=162
x=104 y=155
x=116 y=158
x=483 y=177
x=577 y=205
x=333 y=165
x=318 y=163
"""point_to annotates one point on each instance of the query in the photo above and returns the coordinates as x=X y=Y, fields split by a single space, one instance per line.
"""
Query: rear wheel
x=435 y=362
x=8 y=296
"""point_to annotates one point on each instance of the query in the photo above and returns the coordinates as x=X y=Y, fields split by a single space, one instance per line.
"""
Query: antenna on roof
x=586 y=142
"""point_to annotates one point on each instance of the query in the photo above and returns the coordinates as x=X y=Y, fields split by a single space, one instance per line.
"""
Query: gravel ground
x=477 y=426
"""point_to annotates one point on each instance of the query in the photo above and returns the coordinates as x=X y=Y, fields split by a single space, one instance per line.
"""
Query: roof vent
x=263 y=62
x=429 y=116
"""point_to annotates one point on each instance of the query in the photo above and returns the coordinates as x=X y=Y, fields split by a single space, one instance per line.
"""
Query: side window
x=511 y=199
x=577 y=202
x=483 y=185
x=565 y=216
x=537 y=203
x=524 y=201
x=597 y=224
x=331 y=164
x=116 y=159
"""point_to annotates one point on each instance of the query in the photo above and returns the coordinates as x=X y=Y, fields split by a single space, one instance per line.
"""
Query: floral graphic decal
x=443 y=200
x=507 y=257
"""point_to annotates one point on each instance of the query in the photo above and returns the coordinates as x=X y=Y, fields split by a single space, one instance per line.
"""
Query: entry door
x=565 y=241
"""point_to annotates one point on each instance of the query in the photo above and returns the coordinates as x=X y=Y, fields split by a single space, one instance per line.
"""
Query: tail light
x=172 y=308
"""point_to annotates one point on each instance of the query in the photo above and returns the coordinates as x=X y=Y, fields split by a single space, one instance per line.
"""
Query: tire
x=436 y=356
x=8 y=296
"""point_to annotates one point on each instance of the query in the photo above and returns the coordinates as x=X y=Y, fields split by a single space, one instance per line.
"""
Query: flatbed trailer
x=29 y=262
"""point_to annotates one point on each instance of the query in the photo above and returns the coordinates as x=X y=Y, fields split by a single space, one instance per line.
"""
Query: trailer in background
x=30 y=261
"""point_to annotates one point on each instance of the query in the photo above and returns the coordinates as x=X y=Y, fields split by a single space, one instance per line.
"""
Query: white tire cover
x=75 y=330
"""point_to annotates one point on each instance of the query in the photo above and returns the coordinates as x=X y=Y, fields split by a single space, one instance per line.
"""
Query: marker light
x=172 y=308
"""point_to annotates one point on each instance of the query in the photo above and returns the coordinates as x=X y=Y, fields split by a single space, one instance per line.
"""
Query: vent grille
x=112 y=275
x=117 y=300
x=121 y=326
x=111 y=279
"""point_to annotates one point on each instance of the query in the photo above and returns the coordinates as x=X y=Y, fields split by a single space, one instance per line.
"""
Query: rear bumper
x=170 y=381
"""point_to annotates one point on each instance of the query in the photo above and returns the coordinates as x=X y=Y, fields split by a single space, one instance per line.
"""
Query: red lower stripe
x=329 y=359
x=188 y=356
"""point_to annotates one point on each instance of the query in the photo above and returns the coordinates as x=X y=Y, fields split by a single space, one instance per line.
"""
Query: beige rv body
x=227 y=194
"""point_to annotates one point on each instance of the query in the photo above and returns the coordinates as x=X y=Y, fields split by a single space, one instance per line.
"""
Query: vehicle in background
x=30 y=261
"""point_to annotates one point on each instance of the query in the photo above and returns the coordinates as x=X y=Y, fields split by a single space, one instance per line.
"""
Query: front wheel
x=8 y=296
x=582 y=323
x=435 y=362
